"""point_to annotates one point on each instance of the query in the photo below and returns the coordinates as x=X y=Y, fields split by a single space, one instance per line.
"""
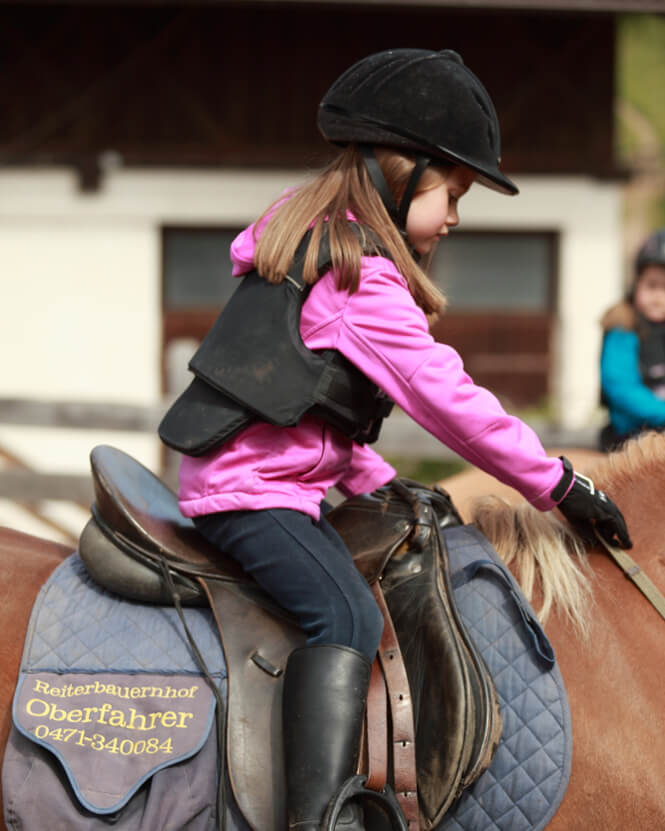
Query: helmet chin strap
x=422 y=162
x=398 y=214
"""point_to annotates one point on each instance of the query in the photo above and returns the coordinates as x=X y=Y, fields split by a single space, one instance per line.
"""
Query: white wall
x=80 y=275
x=81 y=279
x=80 y=317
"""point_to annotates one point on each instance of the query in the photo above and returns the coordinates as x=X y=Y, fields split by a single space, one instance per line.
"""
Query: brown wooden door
x=501 y=288
x=509 y=353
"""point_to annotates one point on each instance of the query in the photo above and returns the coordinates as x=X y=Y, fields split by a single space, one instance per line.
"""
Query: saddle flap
x=457 y=733
x=130 y=575
x=376 y=526
x=373 y=527
x=131 y=502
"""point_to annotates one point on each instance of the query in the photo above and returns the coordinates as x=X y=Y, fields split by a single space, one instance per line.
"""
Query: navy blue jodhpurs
x=306 y=567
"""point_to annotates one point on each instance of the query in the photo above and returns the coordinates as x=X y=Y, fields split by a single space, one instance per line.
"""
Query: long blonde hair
x=345 y=186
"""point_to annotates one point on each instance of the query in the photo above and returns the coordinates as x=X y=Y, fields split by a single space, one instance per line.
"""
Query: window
x=197 y=267
x=197 y=282
x=500 y=318
x=496 y=271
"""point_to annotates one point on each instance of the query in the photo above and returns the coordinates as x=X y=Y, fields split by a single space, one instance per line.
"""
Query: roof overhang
x=532 y=5
x=611 y=6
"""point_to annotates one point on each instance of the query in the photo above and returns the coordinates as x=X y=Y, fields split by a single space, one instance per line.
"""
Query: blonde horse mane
x=538 y=547
x=639 y=460
x=546 y=554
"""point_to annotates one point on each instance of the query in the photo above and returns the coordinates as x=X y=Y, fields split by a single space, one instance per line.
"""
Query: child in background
x=416 y=129
x=632 y=365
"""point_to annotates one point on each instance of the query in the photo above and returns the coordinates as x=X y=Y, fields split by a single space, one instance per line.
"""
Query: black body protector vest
x=253 y=366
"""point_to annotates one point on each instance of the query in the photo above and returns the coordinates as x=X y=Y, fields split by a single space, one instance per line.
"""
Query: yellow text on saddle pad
x=112 y=731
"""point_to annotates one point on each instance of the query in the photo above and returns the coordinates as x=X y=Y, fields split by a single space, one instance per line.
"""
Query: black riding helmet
x=420 y=101
x=652 y=252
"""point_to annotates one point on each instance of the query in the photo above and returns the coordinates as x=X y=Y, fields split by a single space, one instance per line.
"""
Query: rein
x=635 y=574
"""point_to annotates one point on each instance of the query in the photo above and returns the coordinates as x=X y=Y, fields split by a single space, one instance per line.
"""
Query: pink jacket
x=381 y=330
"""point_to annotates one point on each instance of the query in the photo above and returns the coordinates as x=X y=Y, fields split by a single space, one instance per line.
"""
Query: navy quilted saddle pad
x=528 y=776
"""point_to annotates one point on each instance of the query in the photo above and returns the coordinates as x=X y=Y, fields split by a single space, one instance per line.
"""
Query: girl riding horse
x=348 y=252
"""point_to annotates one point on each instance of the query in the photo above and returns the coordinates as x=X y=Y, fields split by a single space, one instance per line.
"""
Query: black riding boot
x=325 y=693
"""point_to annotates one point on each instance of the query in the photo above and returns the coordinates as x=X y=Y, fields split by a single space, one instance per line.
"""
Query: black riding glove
x=587 y=508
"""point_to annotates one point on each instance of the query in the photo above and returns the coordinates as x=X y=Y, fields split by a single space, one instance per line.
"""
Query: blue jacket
x=632 y=405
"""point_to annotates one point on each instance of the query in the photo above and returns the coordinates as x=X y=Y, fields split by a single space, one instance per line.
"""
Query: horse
x=607 y=638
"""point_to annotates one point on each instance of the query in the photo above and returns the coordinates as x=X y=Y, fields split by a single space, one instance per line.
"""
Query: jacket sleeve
x=631 y=403
x=386 y=335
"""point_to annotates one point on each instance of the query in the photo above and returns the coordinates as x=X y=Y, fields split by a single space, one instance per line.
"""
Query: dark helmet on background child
x=652 y=252
x=419 y=101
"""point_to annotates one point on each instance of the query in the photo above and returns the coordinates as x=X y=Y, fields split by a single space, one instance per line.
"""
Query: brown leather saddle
x=433 y=686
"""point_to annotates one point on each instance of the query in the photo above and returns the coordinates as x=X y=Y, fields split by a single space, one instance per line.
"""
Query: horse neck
x=634 y=478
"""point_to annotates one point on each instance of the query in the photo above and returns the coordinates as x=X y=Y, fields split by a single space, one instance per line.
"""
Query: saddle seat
x=134 y=511
x=393 y=535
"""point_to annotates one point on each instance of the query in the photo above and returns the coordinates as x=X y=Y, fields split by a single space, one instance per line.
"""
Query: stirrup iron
x=355 y=787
